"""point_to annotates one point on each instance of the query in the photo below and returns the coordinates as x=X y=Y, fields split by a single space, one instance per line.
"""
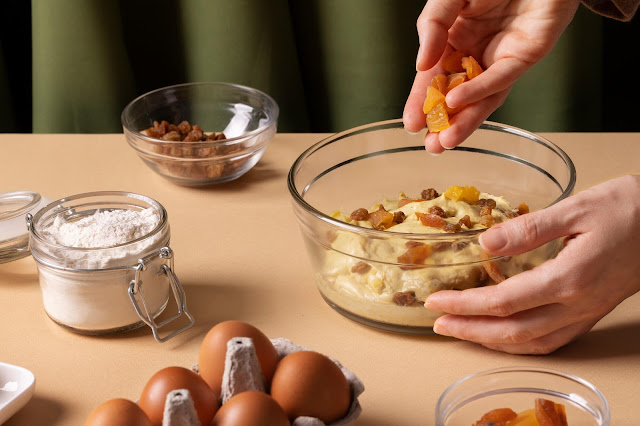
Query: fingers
x=498 y=77
x=433 y=30
x=529 y=231
x=464 y=123
x=514 y=295
x=413 y=116
x=545 y=344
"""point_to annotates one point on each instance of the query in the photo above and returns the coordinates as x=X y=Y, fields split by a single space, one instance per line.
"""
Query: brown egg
x=154 y=394
x=118 y=412
x=307 y=383
x=214 y=349
x=251 y=408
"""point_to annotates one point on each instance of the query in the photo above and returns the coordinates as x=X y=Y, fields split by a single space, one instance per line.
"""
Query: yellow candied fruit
x=467 y=193
x=525 y=418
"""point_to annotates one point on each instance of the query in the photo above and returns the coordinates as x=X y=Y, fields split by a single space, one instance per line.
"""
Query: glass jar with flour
x=105 y=264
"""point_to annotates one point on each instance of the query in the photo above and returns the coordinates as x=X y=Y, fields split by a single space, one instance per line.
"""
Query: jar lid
x=14 y=236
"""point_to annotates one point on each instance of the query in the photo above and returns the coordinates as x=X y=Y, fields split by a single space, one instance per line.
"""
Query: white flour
x=106 y=228
x=91 y=296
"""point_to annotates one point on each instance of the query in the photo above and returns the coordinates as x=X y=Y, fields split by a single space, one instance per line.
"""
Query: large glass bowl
x=357 y=270
x=247 y=117
x=517 y=388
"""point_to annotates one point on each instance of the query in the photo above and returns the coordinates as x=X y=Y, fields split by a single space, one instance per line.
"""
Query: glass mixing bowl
x=358 y=270
x=517 y=388
x=247 y=117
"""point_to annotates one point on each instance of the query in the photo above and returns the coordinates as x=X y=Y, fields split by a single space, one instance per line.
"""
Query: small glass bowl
x=357 y=269
x=468 y=399
x=14 y=237
x=248 y=118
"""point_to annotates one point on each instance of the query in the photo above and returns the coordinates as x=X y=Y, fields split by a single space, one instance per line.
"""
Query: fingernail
x=493 y=239
x=440 y=329
x=410 y=132
x=435 y=154
x=419 y=56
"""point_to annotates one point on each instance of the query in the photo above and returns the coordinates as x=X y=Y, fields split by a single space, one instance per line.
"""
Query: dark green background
x=72 y=65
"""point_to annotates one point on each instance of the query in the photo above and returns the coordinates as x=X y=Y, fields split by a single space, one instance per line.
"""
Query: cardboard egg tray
x=242 y=373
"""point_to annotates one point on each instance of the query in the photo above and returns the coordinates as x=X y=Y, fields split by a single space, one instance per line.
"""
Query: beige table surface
x=240 y=255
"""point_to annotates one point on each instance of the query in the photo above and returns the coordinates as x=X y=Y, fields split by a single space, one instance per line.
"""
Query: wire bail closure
x=135 y=287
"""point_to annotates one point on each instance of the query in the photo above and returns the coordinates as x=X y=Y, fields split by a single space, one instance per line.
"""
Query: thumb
x=525 y=232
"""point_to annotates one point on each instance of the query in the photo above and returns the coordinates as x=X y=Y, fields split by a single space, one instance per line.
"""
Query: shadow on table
x=616 y=341
x=260 y=174
x=38 y=411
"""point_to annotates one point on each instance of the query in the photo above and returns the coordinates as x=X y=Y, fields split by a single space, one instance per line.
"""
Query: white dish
x=16 y=388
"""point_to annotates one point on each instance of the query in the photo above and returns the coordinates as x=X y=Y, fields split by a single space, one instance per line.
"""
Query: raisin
x=487 y=221
x=184 y=127
x=172 y=136
x=452 y=227
x=404 y=298
x=485 y=210
x=442 y=245
x=437 y=211
x=431 y=220
x=399 y=217
x=361 y=268
x=510 y=214
x=412 y=243
x=360 y=214
x=429 y=194
x=459 y=245
x=482 y=202
x=466 y=221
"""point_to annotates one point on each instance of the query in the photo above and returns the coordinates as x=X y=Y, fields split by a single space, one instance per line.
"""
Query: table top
x=259 y=273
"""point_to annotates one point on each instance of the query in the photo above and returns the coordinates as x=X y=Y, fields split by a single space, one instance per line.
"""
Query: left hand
x=538 y=311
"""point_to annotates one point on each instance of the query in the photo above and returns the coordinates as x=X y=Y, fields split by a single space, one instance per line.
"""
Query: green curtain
x=72 y=65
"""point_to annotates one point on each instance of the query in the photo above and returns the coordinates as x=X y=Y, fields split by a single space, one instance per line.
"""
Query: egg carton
x=242 y=373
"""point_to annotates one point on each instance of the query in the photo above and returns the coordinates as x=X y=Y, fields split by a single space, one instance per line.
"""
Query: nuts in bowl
x=201 y=133
x=386 y=224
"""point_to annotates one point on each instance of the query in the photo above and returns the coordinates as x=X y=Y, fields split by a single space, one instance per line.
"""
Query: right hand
x=506 y=36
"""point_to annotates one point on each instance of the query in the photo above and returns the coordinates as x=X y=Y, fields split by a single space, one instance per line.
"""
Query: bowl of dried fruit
x=201 y=133
x=522 y=396
x=386 y=224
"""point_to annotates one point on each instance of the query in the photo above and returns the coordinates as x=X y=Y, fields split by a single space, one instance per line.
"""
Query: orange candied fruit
x=471 y=66
x=459 y=68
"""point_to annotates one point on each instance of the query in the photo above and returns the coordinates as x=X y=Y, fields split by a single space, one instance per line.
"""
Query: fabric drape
x=72 y=65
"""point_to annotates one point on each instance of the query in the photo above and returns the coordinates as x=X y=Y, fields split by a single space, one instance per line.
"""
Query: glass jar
x=14 y=238
x=102 y=290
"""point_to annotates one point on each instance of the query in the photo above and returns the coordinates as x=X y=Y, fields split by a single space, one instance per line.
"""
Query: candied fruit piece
x=497 y=417
x=434 y=97
x=548 y=413
x=415 y=255
x=437 y=118
x=381 y=219
x=453 y=62
x=440 y=82
x=405 y=201
x=525 y=418
x=523 y=208
x=468 y=194
x=492 y=269
x=471 y=66
x=431 y=220
x=455 y=80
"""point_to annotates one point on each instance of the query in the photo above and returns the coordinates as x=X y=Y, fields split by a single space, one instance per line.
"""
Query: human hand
x=506 y=36
x=538 y=311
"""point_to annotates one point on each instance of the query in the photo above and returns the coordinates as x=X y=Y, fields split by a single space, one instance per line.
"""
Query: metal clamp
x=135 y=287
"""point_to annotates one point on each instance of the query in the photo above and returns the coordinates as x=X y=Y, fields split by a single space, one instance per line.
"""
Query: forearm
x=622 y=10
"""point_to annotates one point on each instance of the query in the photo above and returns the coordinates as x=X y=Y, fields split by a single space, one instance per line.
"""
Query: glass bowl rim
x=164 y=219
x=398 y=123
x=204 y=144
x=606 y=410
